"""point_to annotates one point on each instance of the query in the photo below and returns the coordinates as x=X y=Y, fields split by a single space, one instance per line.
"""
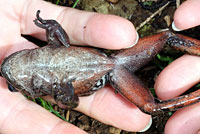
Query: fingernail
x=175 y=28
x=147 y=127
x=136 y=41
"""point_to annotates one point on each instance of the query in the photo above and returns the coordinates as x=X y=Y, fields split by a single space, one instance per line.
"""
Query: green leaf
x=75 y=4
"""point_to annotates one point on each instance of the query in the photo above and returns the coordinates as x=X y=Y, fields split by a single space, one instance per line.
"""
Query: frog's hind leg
x=56 y=35
x=185 y=44
x=45 y=83
x=129 y=86
x=135 y=91
x=180 y=102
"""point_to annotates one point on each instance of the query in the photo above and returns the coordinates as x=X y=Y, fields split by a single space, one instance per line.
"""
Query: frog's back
x=84 y=66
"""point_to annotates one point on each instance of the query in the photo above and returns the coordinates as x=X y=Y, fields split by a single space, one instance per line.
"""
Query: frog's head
x=13 y=69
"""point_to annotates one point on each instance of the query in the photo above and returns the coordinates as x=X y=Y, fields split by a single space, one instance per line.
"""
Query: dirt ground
x=133 y=11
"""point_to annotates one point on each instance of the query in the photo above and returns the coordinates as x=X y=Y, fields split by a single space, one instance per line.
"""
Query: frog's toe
x=69 y=102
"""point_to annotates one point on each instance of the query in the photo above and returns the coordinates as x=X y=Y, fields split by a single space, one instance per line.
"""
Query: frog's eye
x=11 y=88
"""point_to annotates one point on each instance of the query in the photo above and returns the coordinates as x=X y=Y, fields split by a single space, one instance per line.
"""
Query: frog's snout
x=5 y=69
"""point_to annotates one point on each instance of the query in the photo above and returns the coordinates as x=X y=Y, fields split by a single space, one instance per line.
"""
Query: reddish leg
x=134 y=90
x=130 y=60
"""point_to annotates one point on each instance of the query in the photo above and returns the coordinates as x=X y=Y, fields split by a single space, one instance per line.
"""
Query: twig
x=67 y=114
x=178 y=3
x=153 y=15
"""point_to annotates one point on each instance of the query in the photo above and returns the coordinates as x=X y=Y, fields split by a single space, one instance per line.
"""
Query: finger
x=186 y=121
x=104 y=106
x=10 y=34
x=20 y=116
x=17 y=45
x=85 y=28
x=112 y=109
x=187 y=15
x=178 y=77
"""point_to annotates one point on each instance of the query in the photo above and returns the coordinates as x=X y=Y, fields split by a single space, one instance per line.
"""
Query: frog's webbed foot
x=54 y=32
x=184 y=44
x=64 y=95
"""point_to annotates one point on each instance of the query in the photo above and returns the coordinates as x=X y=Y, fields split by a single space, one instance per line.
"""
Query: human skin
x=18 y=115
x=181 y=75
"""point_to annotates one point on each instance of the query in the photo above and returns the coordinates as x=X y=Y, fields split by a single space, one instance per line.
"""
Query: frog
x=66 y=72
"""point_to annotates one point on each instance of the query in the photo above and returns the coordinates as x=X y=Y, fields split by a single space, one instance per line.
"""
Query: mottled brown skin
x=66 y=72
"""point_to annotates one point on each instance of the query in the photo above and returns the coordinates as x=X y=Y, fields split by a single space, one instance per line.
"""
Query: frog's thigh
x=126 y=83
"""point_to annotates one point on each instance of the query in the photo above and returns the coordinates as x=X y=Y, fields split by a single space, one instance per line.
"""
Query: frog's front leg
x=62 y=91
x=63 y=94
x=55 y=34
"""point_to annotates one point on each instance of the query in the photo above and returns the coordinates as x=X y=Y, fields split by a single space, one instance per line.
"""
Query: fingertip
x=184 y=121
x=83 y=28
x=135 y=41
x=147 y=126
x=174 y=27
x=178 y=77
x=110 y=108
x=110 y=32
x=187 y=15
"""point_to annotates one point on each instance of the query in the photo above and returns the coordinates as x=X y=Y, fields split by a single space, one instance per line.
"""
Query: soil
x=133 y=11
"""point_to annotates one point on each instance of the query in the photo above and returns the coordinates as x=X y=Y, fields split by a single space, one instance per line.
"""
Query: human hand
x=18 y=115
x=181 y=75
